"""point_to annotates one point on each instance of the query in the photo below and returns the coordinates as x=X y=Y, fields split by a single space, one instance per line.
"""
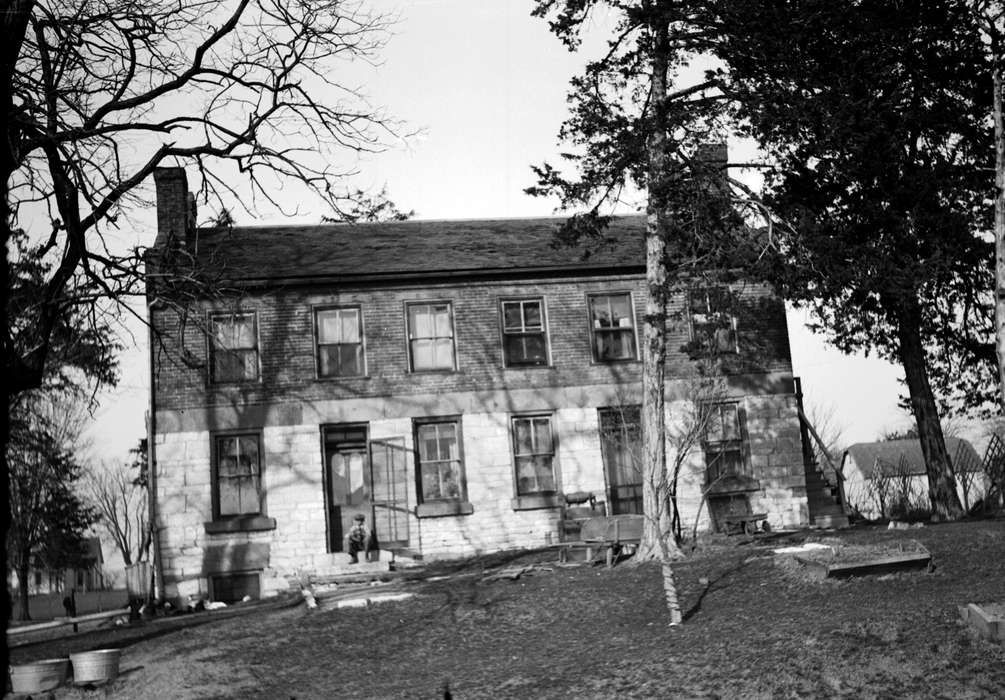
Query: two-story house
x=451 y=380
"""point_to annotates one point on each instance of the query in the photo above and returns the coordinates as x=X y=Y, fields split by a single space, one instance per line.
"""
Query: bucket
x=95 y=666
x=38 y=676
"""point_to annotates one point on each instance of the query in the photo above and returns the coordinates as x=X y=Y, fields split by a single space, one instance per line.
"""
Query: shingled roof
x=412 y=249
x=888 y=454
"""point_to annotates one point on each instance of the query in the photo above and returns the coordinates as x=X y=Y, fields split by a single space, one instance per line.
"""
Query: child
x=358 y=537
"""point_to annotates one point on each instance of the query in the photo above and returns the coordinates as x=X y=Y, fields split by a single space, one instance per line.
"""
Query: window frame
x=409 y=340
x=212 y=349
x=593 y=329
x=321 y=308
x=740 y=444
x=245 y=521
x=544 y=332
x=540 y=498
x=698 y=343
x=462 y=485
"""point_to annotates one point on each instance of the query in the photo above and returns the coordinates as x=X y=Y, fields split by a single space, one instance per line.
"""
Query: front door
x=347 y=481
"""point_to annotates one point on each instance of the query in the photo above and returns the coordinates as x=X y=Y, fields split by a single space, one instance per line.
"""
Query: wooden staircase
x=824 y=495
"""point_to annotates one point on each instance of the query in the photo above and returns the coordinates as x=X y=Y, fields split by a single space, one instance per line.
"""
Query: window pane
x=230 y=497
x=328 y=326
x=442 y=321
x=621 y=311
x=422 y=354
x=534 y=350
x=420 y=322
x=600 y=312
x=524 y=438
x=512 y=318
x=443 y=353
x=532 y=315
x=542 y=435
x=349 y=326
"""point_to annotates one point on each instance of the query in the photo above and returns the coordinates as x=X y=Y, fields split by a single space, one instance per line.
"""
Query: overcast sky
x=486 y=83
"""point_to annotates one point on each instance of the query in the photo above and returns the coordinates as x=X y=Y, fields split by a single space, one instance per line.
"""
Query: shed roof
x=412 y=248
x=888 y=454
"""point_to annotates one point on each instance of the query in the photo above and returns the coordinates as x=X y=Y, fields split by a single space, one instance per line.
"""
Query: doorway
x=365 y=477
x=347 y=481
x=620 y=440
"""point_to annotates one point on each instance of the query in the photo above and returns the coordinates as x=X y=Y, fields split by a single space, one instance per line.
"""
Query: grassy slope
x=753 y=630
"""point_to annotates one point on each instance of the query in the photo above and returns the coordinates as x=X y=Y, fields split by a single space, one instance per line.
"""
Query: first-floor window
x=533 y=455
x=441 y=465
x=238 y=476
x=724 y=443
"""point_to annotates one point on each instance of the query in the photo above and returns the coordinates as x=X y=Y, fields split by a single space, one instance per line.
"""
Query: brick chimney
x=715 y=156
x=175 y=208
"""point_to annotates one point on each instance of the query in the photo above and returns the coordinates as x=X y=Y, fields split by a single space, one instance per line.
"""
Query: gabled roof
x=411 y=249
x=888 y=454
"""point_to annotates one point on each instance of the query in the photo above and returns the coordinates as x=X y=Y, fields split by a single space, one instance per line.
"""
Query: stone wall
x=292 y=477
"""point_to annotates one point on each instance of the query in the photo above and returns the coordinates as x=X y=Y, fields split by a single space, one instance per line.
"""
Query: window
x=238 y=476
x=534 y=455
x=234 y=348
x=613 y=327
x=621 y=445
x=525 y=342
x=713 y=324
x=340 y=342
x=724 y=441
x=441 y=465
x=430 y=336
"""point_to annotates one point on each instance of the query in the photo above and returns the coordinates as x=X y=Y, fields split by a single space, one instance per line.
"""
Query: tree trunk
x=999 y=97
x=656 y=520
x=23 y=612
x=941 y=479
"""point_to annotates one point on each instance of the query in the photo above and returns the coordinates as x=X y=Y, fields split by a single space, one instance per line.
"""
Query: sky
x=484 y=85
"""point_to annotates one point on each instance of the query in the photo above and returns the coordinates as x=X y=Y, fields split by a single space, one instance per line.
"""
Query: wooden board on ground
x=833 y=565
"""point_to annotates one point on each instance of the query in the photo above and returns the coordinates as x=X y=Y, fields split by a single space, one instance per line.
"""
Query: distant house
x=879 y=474
x=87 y=576
x=448 y=380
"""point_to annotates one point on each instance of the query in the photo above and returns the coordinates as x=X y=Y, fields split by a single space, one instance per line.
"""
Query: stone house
x=450 y=380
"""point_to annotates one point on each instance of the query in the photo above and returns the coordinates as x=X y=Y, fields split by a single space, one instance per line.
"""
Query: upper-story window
x=340 y=342
x=431 y=336
x=713 y=322
x=234 y=348
x=525 y=340
x=612 y=324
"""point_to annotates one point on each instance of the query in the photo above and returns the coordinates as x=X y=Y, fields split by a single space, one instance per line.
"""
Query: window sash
x=713 y=323
x=340 y=342
x=533 y=454
x=234 y=348
x=238 y=475
x=613 y=327
x=440 y=464
x=431 y=336
x=524 y=336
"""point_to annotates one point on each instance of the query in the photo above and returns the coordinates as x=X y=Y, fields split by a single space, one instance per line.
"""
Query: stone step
x=830 y=521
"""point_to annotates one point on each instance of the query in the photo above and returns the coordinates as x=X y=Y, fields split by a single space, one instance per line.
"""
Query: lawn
x=753 y=629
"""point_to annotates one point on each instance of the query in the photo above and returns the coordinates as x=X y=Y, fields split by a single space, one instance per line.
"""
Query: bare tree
x=122 y=500
x=97 y=95
x=880 y=486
